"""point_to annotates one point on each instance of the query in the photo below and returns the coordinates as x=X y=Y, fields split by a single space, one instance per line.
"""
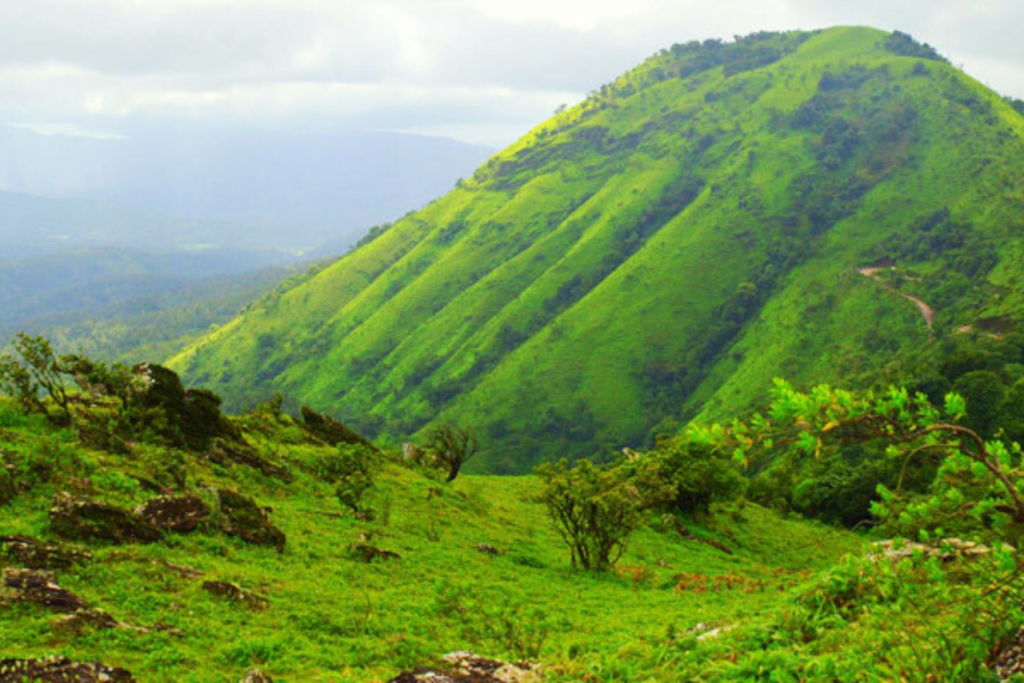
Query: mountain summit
x=806 y=204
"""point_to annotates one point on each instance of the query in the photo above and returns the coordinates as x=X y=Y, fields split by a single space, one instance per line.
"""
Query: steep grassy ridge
x=661 y=250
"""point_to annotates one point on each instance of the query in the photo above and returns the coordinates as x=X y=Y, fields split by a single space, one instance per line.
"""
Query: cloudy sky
x=477 y=70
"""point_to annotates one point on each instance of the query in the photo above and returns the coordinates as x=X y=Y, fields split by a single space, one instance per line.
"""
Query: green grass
x=332 y=618
x=587 y=283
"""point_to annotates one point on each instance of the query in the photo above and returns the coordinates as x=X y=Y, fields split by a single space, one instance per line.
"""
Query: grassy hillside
x=663 y=250
x=332 y=617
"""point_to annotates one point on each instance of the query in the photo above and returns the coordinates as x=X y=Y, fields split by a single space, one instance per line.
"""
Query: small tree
x=594 y=510
x=452 y=446
x=35 y=370
x=354 y=471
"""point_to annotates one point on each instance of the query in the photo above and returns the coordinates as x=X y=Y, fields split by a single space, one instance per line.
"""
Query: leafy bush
x=685 y=476
x=595 y=510
x=352 y=469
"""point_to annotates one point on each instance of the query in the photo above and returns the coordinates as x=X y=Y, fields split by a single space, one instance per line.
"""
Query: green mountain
x=783 y=205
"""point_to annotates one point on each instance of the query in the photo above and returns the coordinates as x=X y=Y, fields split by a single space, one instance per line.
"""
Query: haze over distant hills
x=92 y=225
x=238 y=188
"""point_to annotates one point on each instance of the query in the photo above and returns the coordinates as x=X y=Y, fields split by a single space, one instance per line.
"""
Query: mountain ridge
x=660 y=251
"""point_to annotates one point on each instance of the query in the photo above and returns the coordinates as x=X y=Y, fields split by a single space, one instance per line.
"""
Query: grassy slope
x=550 y=302
x=334 y=619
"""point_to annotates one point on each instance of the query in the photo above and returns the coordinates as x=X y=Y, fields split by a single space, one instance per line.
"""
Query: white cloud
x=474 y=68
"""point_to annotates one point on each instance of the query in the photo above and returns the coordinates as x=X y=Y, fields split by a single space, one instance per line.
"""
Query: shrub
x=595 y=510
x=685 y=476
x=352 y=469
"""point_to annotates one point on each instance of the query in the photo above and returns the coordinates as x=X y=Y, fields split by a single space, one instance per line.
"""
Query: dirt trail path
x=927 y=311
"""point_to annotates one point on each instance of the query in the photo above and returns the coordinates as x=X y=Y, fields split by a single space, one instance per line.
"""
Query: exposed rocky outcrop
x=97 y=619
x=236 y=593
x=60 y=670
x=34 y=554
x=95 y=521
x=330 y=431
x=465 y=667
x=242 y=517
x=223 y=452
x=945 y=549
x=180 y=514
x=487 y=549
x=256 y=676
x=41 y=588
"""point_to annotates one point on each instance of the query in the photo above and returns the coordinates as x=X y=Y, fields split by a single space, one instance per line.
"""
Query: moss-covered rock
x=242 y=517
x=60 y=670
x=32 y=553
x=88 y=520
x=180 y=514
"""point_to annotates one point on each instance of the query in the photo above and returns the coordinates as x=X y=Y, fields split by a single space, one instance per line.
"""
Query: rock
x=946 y=549
x=39 y=587
x=487 y=549
x=34 y=554
x=90 y=520
x=329 y=430
x=180 y=514
x=368 y=553
x=75 y=623
x=223 y=451
x=256 y=676
x=465 y=667
x=183 y=571
x=1010 y=661
x=236 y=593
x=241 y=517
x=8 y=490
x=411 y=452
x=60 y=670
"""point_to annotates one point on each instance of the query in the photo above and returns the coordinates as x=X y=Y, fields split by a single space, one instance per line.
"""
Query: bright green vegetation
x=660 y=252
x=333 y=618
x=650 y=568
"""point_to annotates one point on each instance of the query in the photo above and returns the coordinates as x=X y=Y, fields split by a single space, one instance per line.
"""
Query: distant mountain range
x=254 y=189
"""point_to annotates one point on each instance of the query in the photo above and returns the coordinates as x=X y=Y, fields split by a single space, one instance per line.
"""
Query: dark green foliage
x=685 y=477
x=595 y=510
x=193 y=416
x=984 y=393
x=329 y=430
x=903 y=44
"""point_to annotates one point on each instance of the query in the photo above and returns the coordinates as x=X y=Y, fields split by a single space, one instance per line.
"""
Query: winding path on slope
x=927 y=311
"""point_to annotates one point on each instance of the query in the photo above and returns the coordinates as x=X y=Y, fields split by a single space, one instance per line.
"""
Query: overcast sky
x=477 y=70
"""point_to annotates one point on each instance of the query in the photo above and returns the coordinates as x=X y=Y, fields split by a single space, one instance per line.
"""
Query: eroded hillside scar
x=927 y=311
